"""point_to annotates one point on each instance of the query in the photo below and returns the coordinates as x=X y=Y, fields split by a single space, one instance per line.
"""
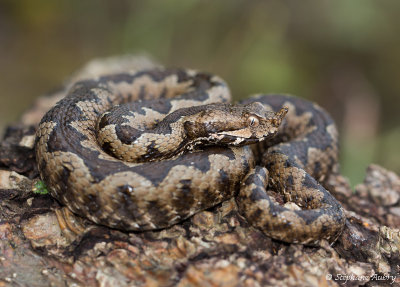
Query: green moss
x=40 y=188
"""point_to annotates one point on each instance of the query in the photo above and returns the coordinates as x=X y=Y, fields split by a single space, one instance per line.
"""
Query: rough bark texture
x=216 y=247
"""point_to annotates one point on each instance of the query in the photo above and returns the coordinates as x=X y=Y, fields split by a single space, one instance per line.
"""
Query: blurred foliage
x=327 y=51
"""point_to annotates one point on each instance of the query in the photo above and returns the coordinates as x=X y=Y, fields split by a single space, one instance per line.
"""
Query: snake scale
x=146 y=150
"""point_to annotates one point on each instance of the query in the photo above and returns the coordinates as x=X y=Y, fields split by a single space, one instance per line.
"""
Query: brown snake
x=174 y=146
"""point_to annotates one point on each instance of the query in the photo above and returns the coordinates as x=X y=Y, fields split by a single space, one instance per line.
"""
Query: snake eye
x=252 y=121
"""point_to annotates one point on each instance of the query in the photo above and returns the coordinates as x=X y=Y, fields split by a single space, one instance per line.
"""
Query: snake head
x=235 y=125
x=257 y=124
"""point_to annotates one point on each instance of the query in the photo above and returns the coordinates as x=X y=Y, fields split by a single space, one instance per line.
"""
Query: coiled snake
x=174 y=146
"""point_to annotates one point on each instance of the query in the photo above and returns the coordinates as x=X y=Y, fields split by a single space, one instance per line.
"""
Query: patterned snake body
x=175 y=146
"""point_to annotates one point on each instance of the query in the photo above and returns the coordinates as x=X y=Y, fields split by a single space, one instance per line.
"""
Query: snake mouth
x=234 y=140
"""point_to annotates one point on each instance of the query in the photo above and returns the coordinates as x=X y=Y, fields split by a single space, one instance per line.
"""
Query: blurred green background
x=345 y=55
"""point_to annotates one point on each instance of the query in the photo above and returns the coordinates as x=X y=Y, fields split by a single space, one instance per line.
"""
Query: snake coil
x=174 y=146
